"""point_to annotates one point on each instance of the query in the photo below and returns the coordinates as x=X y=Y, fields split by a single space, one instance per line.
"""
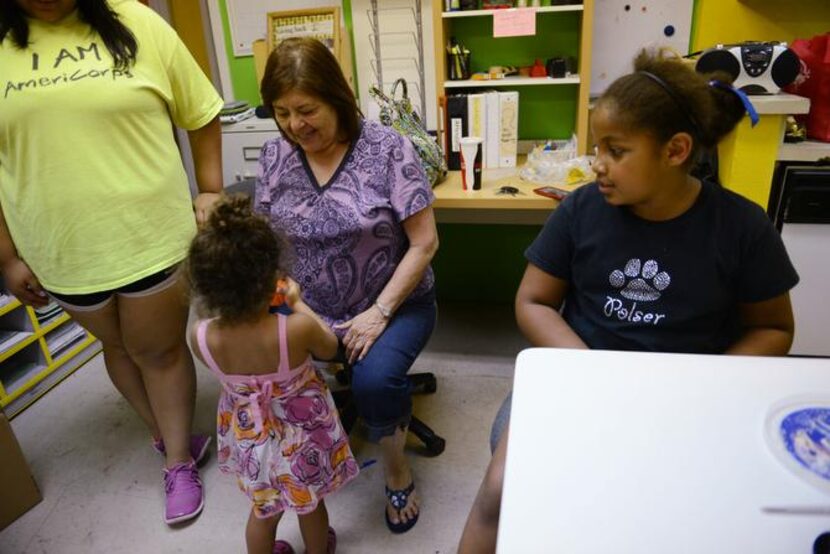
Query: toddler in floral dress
x=277 y=426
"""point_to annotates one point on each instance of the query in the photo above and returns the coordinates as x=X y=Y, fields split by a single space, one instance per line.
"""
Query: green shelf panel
x=557 y=34
x=547 y=112
x=481 y=262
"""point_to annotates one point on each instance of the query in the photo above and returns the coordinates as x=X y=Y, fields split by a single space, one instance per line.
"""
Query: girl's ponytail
x=726 y=112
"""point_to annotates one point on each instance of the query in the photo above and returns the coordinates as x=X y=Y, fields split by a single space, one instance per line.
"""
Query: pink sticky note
x=514 y=22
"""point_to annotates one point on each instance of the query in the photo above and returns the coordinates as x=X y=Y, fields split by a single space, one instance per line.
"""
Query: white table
x=653 y=453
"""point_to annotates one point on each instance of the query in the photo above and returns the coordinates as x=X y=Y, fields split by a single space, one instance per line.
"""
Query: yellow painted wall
x=187 y=20
x=729 y=21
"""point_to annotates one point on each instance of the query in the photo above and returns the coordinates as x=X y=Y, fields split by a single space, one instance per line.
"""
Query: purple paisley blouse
x=347 y=235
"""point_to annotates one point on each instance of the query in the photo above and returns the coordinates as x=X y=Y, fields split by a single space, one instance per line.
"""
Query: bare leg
x=260 y=533
x=315 y=528
x=398 y=475
x=153 y=328
x=122 y=370
x=482 y=526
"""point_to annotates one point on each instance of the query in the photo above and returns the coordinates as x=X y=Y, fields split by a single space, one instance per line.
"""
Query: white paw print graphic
x=640 y=281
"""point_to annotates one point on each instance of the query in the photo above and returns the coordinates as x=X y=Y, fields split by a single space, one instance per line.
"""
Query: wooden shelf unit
x=28 y=369
x=543 y=9
x=514 y=82
x=442 y=25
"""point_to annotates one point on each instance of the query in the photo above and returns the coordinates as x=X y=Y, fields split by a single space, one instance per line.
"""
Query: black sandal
x=398 y=499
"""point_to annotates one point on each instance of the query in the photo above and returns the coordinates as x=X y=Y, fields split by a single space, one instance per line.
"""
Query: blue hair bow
x=750 y=109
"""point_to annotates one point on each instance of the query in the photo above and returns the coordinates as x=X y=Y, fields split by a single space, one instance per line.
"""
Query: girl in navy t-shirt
x=649 y=257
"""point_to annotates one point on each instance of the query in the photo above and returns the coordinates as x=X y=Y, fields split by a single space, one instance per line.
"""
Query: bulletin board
x=322 y=24
x=623 y=27
x=248 y=19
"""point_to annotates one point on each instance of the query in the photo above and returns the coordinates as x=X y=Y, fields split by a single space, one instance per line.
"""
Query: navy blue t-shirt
x=667 y=286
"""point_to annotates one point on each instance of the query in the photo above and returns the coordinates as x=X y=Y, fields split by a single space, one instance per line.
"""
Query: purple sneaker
x=198 y=447
x=183 y=489
x=282 y=547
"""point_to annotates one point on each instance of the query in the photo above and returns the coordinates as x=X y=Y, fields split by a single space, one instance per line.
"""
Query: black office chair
x=423 y=383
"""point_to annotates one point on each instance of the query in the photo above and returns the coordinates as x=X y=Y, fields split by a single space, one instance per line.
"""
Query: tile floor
x=101 y=481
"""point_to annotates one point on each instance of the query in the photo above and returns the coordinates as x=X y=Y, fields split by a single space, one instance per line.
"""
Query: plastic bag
x=556 y=163
x=814 y=83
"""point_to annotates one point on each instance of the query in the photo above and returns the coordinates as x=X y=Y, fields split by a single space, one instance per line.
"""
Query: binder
x=491 y=151
x=508 y=128
x=477 y=120
x=456 y=128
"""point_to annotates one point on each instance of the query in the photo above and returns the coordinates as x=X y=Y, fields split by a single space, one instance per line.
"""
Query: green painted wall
x=243 y=74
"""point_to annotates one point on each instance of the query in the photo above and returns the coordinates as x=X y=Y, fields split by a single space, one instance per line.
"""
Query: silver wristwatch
x=384 y=311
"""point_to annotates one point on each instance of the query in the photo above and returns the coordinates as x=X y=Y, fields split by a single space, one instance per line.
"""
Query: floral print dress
x=280 y=434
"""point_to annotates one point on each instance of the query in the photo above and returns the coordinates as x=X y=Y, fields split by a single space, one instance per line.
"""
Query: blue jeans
x=501 y=422
x=379 y=384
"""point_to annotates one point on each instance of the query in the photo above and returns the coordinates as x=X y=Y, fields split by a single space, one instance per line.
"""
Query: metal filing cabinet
x=241 y=143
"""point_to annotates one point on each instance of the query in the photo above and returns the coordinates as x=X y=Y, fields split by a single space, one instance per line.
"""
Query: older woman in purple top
x=353 y=199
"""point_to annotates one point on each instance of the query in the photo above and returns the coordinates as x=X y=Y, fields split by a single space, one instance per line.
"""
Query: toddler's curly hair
x=234 y=261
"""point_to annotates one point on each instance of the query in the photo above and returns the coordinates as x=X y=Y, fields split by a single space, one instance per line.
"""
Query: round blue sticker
x=805 y=434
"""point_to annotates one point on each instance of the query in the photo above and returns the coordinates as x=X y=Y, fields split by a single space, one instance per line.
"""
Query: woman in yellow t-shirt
x=96 y=209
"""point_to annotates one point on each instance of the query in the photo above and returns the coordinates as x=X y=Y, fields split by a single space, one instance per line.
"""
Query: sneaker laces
x=182 y=476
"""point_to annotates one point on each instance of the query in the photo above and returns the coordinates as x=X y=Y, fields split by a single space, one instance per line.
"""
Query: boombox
x=756 y=67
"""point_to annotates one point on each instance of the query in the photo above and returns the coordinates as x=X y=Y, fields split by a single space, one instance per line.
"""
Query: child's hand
x=289 y=291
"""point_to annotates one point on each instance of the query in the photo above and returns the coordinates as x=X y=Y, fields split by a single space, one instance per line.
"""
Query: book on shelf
x=65 y=347
x=6 y=299
x=508 y=128
x=456 y=128
x=63 y=337
x=48 y=313
x=477 y=121
x=10 y=338
x=491 y=101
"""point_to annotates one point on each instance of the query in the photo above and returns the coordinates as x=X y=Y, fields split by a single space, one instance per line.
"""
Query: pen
x=368 y=463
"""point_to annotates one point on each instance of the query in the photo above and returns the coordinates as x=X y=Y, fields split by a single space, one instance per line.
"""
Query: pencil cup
x=458 y=66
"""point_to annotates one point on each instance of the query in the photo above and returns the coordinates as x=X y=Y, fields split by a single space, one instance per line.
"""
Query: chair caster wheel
x=435 y=446
x=342 y=377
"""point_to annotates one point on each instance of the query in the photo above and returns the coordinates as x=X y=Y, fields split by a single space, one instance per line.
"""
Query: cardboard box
x=18 y=490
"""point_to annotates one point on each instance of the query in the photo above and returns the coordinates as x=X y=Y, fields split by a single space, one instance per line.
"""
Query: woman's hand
x=363 y=330
x=21 y=282
x=203 y=205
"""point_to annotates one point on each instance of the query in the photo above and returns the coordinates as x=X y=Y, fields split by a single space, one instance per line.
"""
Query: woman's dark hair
x=118 y=39
x=234 y=260
x=307 y=65
x=665 y=96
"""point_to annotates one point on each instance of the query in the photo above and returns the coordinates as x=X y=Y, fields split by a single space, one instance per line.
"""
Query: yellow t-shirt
x=91 y=181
